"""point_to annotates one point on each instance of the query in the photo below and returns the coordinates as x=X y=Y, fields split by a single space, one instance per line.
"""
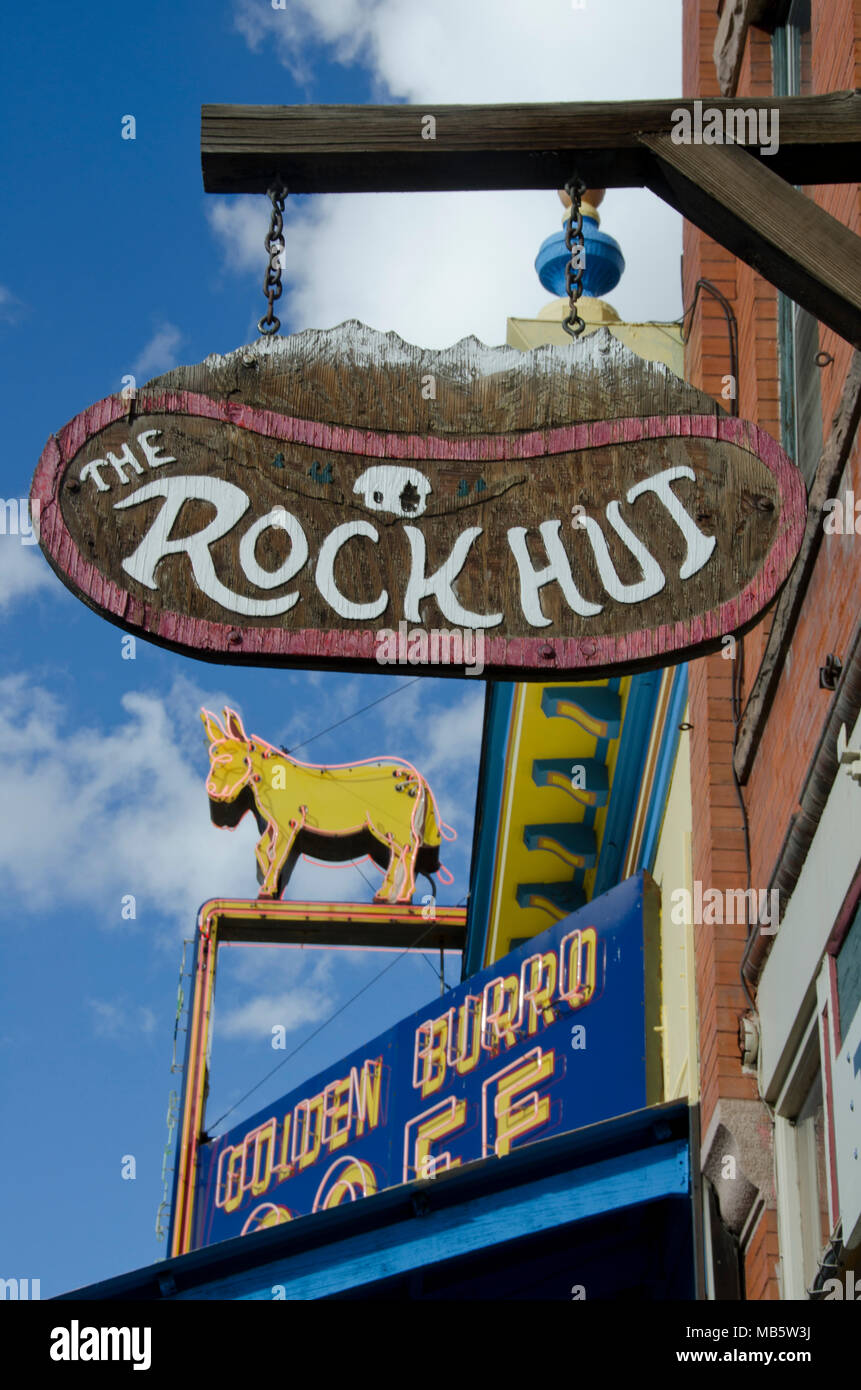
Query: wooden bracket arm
x=763 y=220
x=380 y=149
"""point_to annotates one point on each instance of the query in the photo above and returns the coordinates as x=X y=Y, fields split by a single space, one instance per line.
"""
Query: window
x=790 y=48
x=849 y=974
x=802 y=1157
x=812 y=1180
x=797 y=331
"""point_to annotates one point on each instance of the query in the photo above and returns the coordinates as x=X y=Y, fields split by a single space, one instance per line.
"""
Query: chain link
x=274 y=243
x=574 y=242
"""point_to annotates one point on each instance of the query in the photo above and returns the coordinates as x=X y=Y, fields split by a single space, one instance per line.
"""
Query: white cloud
x=124 y=811
x=120 y=1019
x=313 y=881
x=278 y=986
x=452 y=736
x=240 y=224
x=486 y=51
x=260 y=1015
x=99 y=815
x=11 y=307
x=436 y=267
x=23 y=571
x=159 y=354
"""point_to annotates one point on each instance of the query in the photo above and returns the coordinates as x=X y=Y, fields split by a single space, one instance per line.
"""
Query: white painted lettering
x=558 y=569
x=653 y=576
x=151 y=452
x=344 y=607
x=270 y=579
x=231 y=503
x=439 y=584
x=125 y=460
x=699 y=545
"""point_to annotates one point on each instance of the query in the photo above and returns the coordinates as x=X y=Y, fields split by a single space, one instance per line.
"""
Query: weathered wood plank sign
x=343 y=499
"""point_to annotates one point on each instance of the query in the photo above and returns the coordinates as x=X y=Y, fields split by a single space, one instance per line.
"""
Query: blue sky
x=114 y=261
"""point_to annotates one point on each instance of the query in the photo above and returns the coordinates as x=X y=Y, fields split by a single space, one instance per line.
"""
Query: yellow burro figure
x=381 y=807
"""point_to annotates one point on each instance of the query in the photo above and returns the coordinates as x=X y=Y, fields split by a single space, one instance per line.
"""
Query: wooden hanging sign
x=342 y=499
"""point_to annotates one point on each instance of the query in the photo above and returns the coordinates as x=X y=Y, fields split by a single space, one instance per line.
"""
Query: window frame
x=796 y=1178
x=792 y=321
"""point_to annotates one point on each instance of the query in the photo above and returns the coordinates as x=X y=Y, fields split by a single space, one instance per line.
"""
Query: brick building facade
x=763 y=721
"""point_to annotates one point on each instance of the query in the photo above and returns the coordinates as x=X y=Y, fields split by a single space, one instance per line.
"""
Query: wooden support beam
x=381 y=926
x=379 y=149
x=763 y=220
x=827 y=483
x=400 y=936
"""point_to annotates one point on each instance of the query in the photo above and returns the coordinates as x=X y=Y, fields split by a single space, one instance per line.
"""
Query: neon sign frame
x=500 y=1061
x=335 y=926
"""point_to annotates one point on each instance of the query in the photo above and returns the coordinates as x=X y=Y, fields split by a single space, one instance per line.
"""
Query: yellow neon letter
x=468 y=1015
x=579 y=977
x=431 y=1043
x=232 y=1199
x=337 y=1105
x=500 y=1017
x=285 y=1167
x=537 y=996
x=530 y=1112
x=264 y=1135
x=438 y=1124
x=367 y=1095
x=312 y=1130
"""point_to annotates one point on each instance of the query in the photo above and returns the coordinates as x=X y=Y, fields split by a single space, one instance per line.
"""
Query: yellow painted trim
x=545 y=905
x=195 y=1089
x=201 y=1086
x=266 y=910
x=647 y=782
x=491 y=951
x=553 y=847
x=596 y=727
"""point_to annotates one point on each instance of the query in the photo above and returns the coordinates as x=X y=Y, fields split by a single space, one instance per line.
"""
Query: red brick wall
x=718 y=862
x=760 y=1258
x=831 y=607
x=836 y=67
x=718 y=838
x=828 y=620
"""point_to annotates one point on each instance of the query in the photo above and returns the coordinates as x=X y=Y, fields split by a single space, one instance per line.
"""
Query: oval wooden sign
x=341 y=499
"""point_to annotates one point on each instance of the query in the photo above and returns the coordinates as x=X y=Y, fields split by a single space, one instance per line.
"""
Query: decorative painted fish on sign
x=331 y=498
x=380 y=807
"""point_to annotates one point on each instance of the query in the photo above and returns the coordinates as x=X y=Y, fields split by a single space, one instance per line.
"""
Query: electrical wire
x=738 y=666
x=348 y=717
x=737 y=696
x=364 y=876
x=732 y=332
x=363 y=796
x=432 y=967
x=318 y=1030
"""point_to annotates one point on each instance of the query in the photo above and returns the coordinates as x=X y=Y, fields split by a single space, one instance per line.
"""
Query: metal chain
x=274 y=243
x=574 y=242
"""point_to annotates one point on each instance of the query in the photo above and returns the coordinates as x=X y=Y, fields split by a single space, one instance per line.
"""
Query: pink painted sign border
x=269 y=645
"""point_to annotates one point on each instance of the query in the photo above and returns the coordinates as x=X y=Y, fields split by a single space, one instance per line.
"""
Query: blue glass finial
x=603 y=261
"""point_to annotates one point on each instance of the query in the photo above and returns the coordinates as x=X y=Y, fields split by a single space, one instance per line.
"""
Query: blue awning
x=606 y=1209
